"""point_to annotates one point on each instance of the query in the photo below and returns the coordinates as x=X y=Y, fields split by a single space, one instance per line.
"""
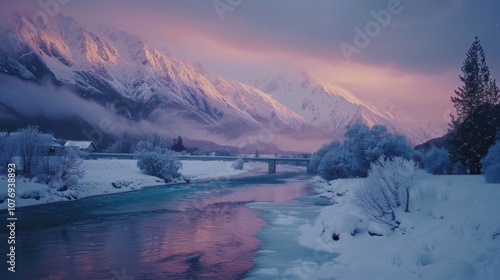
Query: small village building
x=86 y=146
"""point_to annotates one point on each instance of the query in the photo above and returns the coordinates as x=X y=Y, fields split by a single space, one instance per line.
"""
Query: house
x=87 y=146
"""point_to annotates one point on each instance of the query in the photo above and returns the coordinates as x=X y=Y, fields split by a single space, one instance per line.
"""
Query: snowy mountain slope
x=138 y=82
x=331 y=108
x=105 y=64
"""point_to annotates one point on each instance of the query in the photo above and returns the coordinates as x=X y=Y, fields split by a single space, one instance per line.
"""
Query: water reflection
x=186 y=232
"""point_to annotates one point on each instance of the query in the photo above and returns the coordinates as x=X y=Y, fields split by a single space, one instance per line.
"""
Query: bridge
x=271 y=161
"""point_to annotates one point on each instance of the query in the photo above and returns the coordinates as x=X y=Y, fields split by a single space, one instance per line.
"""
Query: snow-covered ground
x=107 y=176
x=451 y=232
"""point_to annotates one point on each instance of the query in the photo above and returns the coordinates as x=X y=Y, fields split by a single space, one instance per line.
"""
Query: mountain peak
x=307 y=80
x=331 y=108
x=170 y=92
x=166 y=89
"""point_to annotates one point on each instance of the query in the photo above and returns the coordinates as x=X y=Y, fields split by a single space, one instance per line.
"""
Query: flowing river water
x=202 y=230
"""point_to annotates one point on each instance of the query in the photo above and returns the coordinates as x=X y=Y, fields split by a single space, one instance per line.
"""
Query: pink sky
x=413 y=61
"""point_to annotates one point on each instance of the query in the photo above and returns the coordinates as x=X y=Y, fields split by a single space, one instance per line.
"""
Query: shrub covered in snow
x=61 y=169
x=491 y=164
x=386 y=188
x=31 y=145
x=37 y=158
x=238 y=164
x=437 y=161
x=158 y=162
x=362 y=146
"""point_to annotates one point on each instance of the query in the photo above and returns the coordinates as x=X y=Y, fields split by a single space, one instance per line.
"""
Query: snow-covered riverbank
x=107 y=176
x=451 y=232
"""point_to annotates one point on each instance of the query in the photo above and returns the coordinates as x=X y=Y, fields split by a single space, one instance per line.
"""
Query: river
x=202 y=230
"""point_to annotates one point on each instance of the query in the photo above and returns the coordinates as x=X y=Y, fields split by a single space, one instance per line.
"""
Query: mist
x=46 y=105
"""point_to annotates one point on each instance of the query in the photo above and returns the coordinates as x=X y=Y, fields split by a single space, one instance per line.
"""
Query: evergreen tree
x=474 y=136
x=178 y=146
x=478 y=88
x=492 y=93
x=473 y=128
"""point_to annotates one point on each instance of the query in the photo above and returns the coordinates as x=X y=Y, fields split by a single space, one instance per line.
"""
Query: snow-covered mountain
x=331 y=108
x=140 y=83
x=105 y=64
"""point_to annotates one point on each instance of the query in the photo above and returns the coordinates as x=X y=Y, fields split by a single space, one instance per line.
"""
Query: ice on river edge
x=451 y=232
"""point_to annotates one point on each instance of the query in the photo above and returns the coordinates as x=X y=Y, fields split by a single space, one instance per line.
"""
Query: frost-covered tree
x=7 y=151
x=60 y=169
x=317 y=157
x=386 y=188
x=337 y=163
x=361 y=142
x=158 y=162
x=491 y=164
x=124 y=145
x=154 y=141
x=362 y=146
x=31 y=145
x=437 y=161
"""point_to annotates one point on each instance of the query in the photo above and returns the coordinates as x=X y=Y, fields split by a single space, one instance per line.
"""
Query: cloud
x=48 y=103
x=54 y=103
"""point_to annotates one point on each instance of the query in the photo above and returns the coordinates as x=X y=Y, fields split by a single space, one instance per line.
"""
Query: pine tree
x=492 y=93
x=178 y=146
x=478 y=87
x=473 y=128
x=474 y=136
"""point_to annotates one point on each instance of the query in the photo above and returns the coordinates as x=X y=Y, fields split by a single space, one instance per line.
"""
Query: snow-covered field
x=451 y=232
x=107 y=176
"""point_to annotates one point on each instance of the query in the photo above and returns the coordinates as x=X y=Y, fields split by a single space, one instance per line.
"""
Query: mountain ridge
x=331 y=108
x=106 y=65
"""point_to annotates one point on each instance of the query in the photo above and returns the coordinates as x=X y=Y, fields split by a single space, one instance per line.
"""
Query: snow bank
x=107 y=176
x=452 y=232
